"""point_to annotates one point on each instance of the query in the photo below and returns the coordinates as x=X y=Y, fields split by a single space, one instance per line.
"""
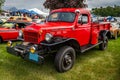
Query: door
x=83 y=29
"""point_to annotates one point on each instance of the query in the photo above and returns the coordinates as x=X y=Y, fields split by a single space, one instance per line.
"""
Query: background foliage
x=1 y=4
x=108 y=11
x=56 y=4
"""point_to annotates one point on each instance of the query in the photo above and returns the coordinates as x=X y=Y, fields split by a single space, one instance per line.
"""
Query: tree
x=56 y=4
x=1 y=4
x=107 y=11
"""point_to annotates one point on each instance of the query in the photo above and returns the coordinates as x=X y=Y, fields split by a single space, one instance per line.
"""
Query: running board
x=89 y=46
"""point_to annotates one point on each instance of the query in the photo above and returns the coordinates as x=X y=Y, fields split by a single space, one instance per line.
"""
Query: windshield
x=62 y=16
x=8 y=25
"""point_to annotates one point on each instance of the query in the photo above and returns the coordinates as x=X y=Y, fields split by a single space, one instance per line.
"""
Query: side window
x=84 y=19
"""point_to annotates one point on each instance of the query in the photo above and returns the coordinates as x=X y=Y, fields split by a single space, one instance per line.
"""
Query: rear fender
x=104 y=33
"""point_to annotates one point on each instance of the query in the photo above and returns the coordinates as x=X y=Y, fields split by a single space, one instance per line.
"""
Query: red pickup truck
x=65 y=33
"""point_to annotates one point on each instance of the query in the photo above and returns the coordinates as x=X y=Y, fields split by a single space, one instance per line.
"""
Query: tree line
x=1 y=4
x=107 y=11
x=56 y=4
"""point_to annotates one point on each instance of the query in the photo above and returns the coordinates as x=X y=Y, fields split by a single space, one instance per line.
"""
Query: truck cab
x=65 y=33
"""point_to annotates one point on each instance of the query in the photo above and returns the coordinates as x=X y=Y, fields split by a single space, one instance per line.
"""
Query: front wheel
x=65 y=59
x=104 y=45
x=0 y=40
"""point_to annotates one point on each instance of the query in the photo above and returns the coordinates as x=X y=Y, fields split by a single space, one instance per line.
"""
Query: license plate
x=34 y=57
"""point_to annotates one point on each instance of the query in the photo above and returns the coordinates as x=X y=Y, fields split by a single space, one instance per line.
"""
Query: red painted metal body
x=83 y=33
x=10 y=30
x=8 y=34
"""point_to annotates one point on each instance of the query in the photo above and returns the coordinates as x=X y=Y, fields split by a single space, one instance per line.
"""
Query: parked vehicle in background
x=65 y=33
x=12 y=30
x=8 y=34
x=20 y=18
x=4 y=15
x=38 y=21
x=2 y=21
x=115 y=29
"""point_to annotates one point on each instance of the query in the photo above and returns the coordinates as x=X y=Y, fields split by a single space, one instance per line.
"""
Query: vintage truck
x=66 y=32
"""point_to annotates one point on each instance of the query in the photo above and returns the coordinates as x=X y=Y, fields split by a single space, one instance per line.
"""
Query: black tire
x=104 y=45
x=0 y=40
x=64 y=59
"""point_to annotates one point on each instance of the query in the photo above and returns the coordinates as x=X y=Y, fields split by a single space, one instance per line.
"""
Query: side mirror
x=80 y=20
x=77 y=11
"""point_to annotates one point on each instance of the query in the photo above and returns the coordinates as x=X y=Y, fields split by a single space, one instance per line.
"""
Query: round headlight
x=32 y=49
x=9 y=44
x=48 y=37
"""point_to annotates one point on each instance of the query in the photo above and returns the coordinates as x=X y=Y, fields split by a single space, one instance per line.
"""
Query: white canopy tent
x=39 y=11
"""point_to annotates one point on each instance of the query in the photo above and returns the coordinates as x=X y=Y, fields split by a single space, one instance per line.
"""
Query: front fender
x=69 y=42
x=56 y=43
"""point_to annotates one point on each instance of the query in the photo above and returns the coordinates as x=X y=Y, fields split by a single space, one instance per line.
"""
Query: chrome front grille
x=31 y=36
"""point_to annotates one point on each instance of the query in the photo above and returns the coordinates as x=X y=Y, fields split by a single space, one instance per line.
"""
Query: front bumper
x=26 y=54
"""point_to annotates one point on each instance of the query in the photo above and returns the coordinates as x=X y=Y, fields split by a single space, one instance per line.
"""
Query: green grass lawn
x=92 y=65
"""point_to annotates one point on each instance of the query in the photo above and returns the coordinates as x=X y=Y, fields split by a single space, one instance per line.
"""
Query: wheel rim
x=67 y=61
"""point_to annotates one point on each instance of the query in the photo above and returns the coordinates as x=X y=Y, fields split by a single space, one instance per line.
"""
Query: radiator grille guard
x=31 y=37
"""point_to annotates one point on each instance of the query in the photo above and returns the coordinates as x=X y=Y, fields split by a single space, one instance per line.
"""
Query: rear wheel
x=104 y=45
x=65 y=59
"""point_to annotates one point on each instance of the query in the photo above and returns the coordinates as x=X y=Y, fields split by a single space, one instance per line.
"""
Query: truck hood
x=49 y=25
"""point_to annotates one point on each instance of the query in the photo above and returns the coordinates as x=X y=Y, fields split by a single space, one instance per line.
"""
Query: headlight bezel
x=48 y=37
